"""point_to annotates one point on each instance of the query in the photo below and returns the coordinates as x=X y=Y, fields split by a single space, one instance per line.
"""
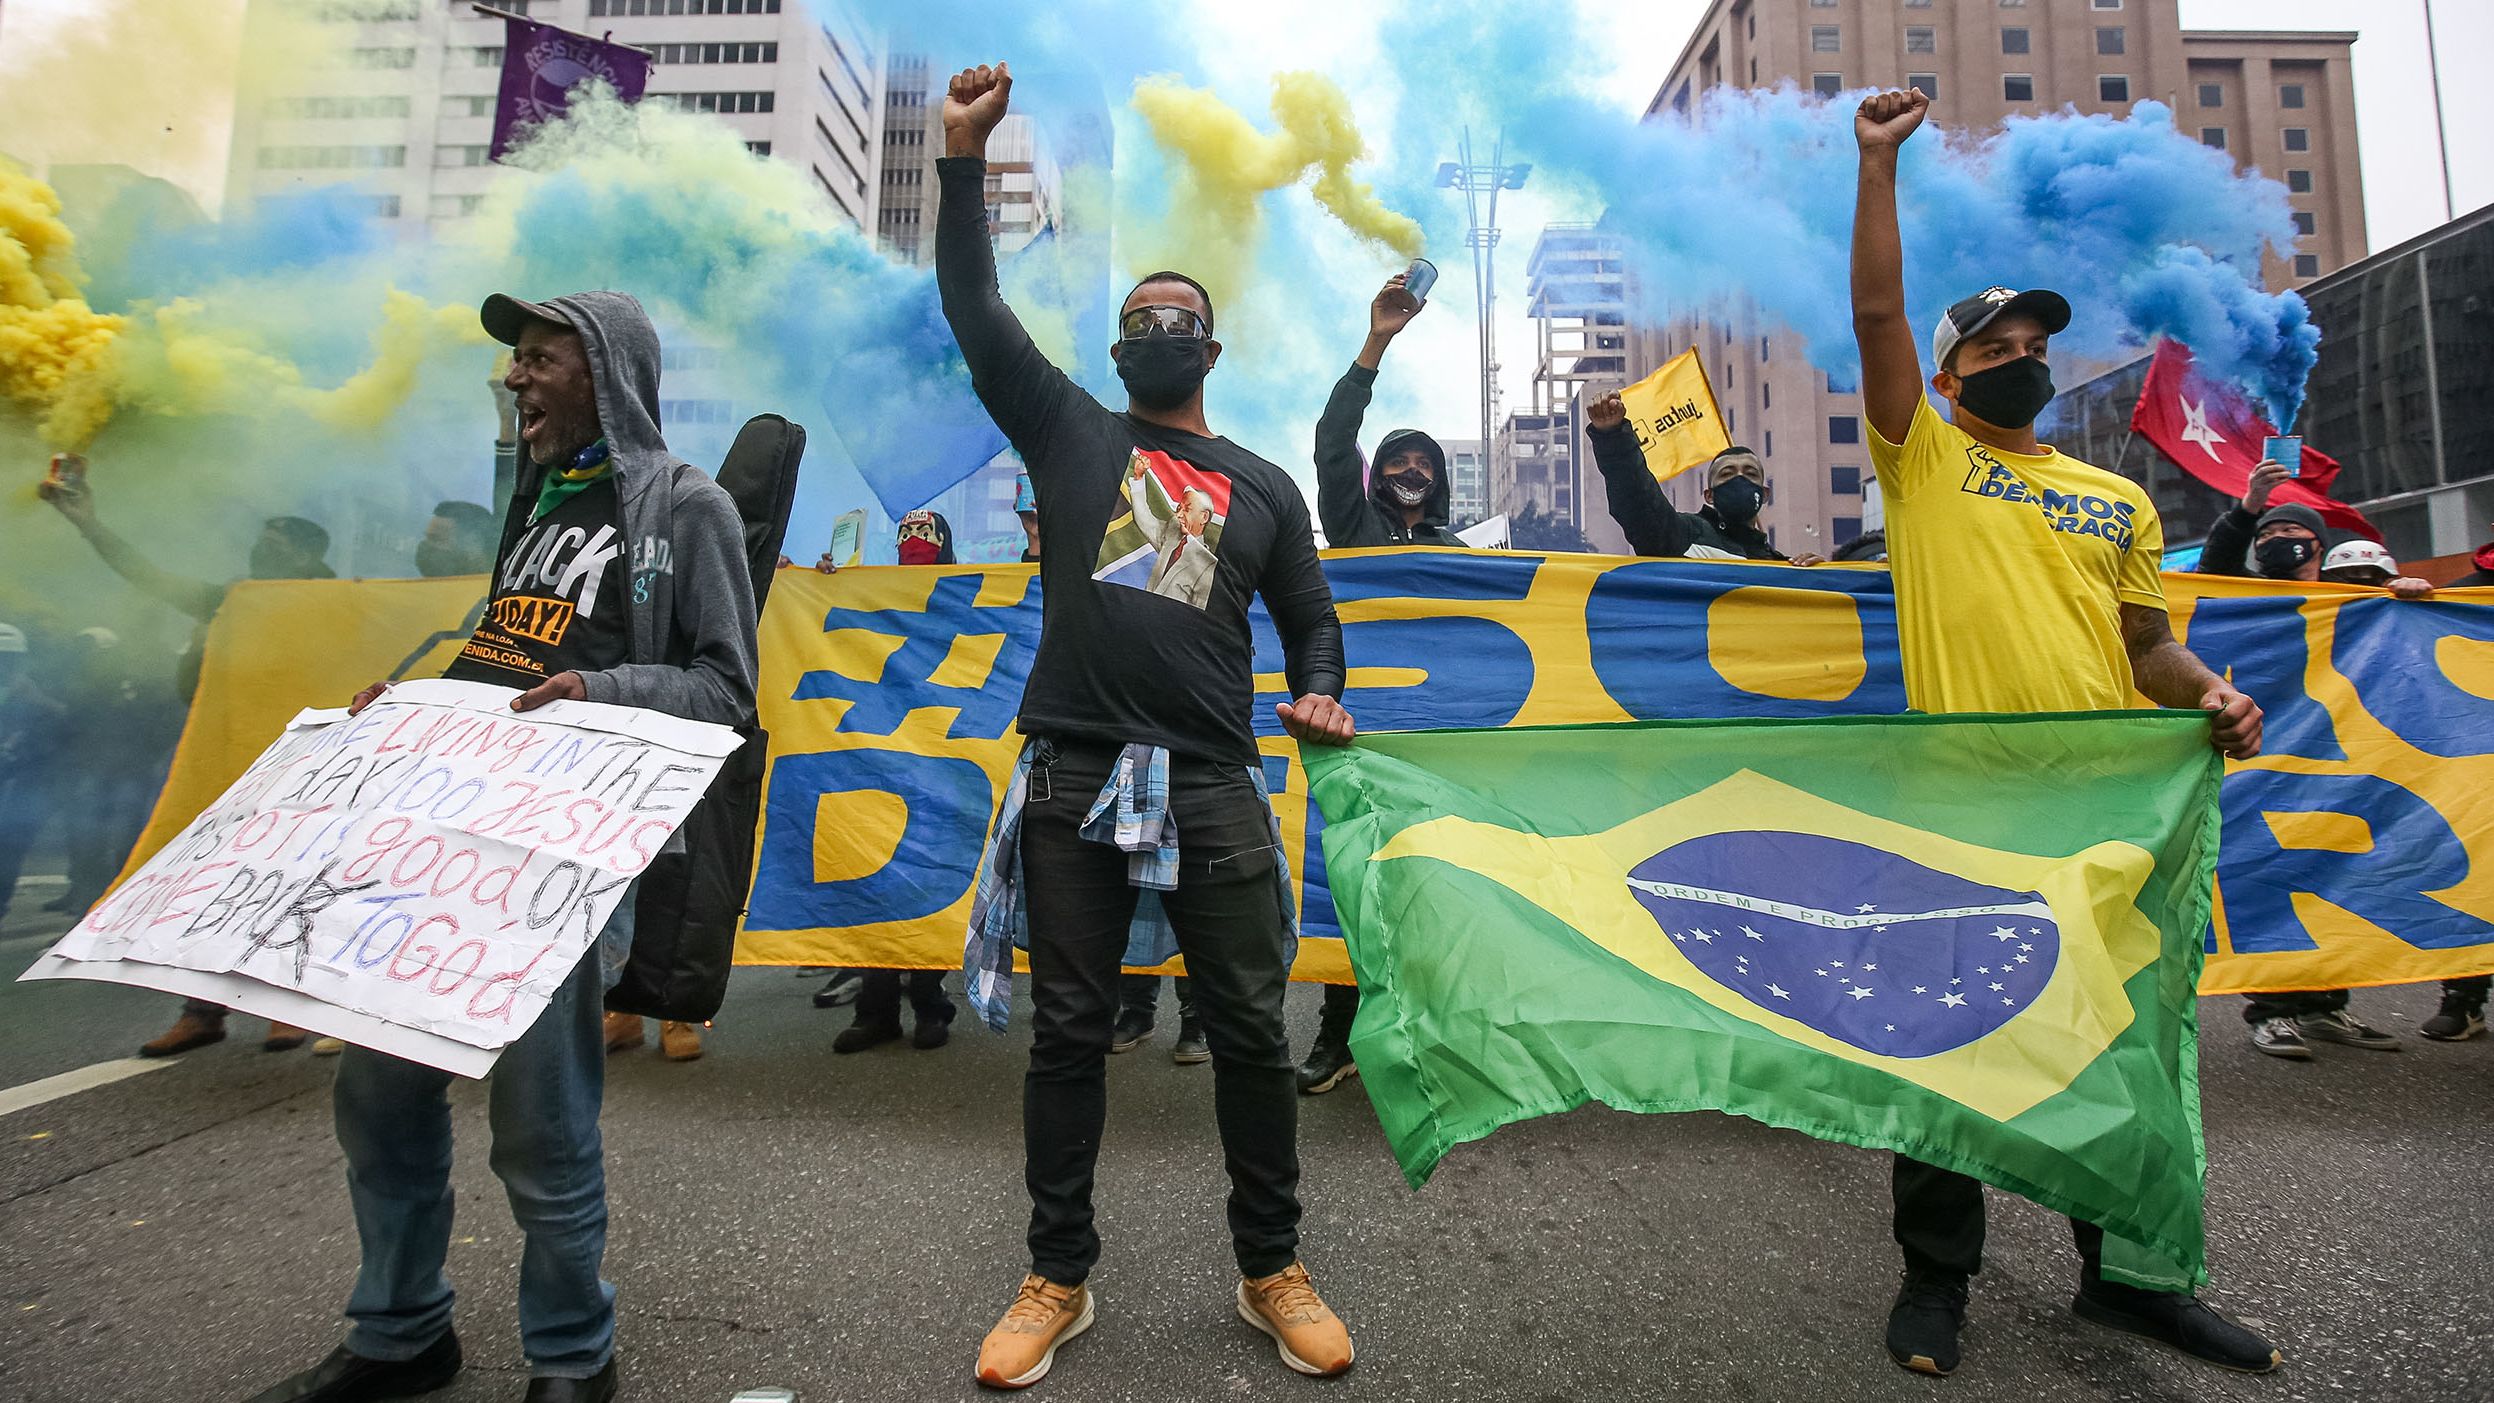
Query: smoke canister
x=68 y=470
x=1419 y=278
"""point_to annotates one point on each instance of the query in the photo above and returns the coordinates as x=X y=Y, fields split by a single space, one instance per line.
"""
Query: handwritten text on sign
x=438 y=864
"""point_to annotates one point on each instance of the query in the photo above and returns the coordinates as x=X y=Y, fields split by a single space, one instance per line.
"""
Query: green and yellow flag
x=1972 y=940
x=1673 y=411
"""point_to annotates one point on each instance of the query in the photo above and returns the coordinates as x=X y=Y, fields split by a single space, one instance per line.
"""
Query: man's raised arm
x=1891 y=371
x=1023 y=393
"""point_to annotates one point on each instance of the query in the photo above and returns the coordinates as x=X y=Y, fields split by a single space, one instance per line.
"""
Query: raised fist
x=1886 y=119
x=1608 y=412
x=973 y=105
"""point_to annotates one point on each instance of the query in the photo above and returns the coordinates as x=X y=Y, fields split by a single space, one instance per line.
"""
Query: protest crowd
x=1138 y=822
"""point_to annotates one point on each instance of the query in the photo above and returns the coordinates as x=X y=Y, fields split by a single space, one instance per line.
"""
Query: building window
x=2307 y=265
x=1845 y=481
x=1929 y=83
x=2017 y=87
x=316 y=108
x=1918 y=4
x=1826 y=39
x=1770 y=443
x=2304 y=222
x=468 y=106
x=456 y=206
x=721 y=102
x=1753 y=77
x=2298 y=138
x=1753 y=24
x=1844 y=428
x=2299 y=181
x=2290 y=95
x=1827 y=84
x=2112 y=87
x=2108 y=4
x=2013 y=40
x=2109 y=38
x=1822 y=4
x=460 y=155
x=1766 y=395
x=381 y=58
x=759 y=148
x=683 y=7
x=1921 y=39
x=385 y=206
x=489 y=56
x=2013 y=4
x=751 y=52
x=2213 y=137
x=2212 y=95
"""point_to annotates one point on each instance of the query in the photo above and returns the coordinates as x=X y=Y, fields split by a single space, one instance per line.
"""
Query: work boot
x=597 y=1388
x=2340 y=1026
x=188 y=1031
x=283 y=1037
x=2171 y=1318
x=1285 y=1305
x=2460 y=1019
x=1043 y=1316
x=624 y=1032
x=346 y=1377
x=1922 y=1326
x=1329 y=1064
x=681 y=1042
x=932 y=1033
x=1191 y=1049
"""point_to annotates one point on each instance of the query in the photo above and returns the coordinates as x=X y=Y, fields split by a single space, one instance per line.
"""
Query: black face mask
x=2010 y=394
x=2281 y=556
x=1738 y=499
x=1408 y=489
x=1162 y=372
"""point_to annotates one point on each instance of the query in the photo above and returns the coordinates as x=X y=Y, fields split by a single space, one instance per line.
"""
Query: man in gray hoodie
x=641 y=557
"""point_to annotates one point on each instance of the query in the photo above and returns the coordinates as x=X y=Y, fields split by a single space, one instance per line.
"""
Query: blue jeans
x=394 y=1124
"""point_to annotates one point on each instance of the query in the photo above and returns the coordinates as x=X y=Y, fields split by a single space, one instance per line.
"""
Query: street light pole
x=2441 y=139
x=1480 y=184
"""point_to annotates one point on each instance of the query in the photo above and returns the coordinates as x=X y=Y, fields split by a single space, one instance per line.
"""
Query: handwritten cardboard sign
x=419 y=879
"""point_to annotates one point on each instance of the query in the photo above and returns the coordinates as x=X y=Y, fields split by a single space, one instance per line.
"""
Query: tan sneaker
x=1285 y=1305
x=680 y=1041
x=283 y=1037
x=328 y=1047
x=1044 y=1315
x=624 y=1030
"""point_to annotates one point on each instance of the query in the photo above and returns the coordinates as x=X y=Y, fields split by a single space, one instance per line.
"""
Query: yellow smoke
x=1226 y=166
x=69 y=368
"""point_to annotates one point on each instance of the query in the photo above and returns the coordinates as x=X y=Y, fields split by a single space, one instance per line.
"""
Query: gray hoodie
x=691 y=594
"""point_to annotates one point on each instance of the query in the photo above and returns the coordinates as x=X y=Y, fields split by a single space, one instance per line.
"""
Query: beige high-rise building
x=2281 y=102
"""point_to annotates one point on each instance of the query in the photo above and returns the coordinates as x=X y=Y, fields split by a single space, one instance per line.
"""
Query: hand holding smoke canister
x=67 y=473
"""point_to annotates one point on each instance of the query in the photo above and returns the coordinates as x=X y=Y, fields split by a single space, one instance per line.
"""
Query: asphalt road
x=849 y=1226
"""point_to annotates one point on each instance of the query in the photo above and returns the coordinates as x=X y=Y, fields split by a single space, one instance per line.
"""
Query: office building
x=2281 y=102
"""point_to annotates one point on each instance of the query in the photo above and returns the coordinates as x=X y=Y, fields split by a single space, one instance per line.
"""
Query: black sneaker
x=2340 y=1026
x=843 y=989
x=1922 y=1326
x=1133 y=1026
x=346 y=1377
x=932 y=1033
x=1328 y=1064
x=2458 y=1021
x=2279 y=1037
x=858 y=1037
x=2170 y=1318
x=1191 y=1048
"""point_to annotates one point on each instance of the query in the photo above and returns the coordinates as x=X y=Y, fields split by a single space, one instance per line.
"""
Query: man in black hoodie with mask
x=1724 y=528
x=1403 y=500
x=2285 y=542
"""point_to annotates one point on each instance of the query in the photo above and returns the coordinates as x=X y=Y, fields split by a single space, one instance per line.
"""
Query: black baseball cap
x=1970 y=315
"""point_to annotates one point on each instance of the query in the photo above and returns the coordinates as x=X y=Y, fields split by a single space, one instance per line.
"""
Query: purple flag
x=542 y=64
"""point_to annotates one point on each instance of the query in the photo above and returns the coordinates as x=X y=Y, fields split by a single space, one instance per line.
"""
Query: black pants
x=1342 y=1006
x=1939 y=1223
x=2470 y=991
x=2293 y=1003
x=1229 y=921
x=879 y=996
x=1140 y=994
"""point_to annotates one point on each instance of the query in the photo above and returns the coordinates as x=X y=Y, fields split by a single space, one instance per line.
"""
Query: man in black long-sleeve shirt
x=1139 y=705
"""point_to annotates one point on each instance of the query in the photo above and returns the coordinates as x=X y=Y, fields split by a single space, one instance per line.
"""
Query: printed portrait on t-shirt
x=1168 y=541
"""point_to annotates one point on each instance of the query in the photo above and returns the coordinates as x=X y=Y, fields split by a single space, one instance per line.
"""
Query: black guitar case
x=687 y=907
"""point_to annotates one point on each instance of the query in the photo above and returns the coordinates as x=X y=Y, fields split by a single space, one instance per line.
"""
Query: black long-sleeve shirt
x=1350 y=510
x=2228 y=548
x=1137 y=642
x=1652 y=524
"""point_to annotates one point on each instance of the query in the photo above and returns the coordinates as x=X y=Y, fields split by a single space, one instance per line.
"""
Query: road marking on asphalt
x=36 y=1093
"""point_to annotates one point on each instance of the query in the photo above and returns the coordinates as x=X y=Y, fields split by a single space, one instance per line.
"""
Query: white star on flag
x=1953 y=1000
x=1858 y=991
x=2195 y=427
x=1779 y=991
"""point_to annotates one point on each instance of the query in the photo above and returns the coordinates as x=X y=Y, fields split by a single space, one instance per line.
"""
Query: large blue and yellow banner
x=2359 y=849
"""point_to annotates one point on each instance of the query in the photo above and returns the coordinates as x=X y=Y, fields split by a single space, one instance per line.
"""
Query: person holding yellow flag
x=1725 y=527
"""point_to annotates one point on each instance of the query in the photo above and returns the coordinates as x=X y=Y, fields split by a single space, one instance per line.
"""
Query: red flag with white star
x=2212 y=432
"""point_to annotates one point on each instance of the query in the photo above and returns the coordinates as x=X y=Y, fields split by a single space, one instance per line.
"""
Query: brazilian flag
x=1974 y=940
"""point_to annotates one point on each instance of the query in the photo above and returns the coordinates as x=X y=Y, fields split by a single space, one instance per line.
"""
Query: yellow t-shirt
x=2011 y=571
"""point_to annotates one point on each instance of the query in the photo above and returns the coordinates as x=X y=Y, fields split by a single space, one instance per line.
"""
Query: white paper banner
x=418 y=879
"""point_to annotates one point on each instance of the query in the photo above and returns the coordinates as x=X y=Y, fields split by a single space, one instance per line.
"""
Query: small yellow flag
x=1673 y=411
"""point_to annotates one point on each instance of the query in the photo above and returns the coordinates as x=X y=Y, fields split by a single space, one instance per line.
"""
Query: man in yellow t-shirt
x=2025 y=581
